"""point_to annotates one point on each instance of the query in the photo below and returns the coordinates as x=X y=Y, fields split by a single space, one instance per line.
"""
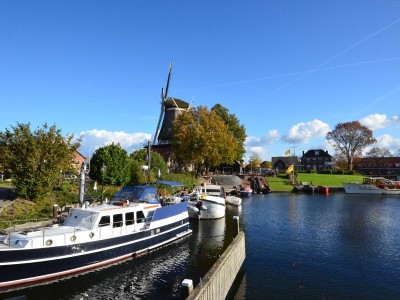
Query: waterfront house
x=317 y=160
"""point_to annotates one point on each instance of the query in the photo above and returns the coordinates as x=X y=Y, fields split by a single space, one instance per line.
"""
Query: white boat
x=373 y=185
x=91 y=237
x=207 y=202
x=233 y=200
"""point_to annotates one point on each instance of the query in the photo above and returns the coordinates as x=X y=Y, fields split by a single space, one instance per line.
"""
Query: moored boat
x=230 y=199
x=207 y=202
x=246 y=191
x=373 y=185
x=91 y=237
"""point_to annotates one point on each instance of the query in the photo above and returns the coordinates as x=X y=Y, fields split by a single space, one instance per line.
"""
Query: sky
x=290 y=71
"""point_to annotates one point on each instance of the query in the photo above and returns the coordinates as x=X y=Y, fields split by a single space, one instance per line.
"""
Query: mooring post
x=55 y=211
x=187 y=288
x=235 y=226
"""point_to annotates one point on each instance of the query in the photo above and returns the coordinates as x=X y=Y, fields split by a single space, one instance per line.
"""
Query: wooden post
x=235 y=226
x=187 y=288
x=55 y=211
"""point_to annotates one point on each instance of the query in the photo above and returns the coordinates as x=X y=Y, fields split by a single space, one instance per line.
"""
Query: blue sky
x=289 y=70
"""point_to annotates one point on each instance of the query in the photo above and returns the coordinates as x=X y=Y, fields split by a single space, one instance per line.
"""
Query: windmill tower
x=170 y=109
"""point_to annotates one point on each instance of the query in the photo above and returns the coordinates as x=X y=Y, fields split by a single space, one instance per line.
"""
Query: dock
x=216 y=283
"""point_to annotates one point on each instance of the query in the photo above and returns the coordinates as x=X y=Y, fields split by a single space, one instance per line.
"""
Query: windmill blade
x=162 y=95
x=161 y=116
x=168 y=80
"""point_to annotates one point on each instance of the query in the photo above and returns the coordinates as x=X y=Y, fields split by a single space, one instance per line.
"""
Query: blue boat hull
x=25 y=267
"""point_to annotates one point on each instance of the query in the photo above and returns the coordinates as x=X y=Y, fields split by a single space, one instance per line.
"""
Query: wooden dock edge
x=219 y=279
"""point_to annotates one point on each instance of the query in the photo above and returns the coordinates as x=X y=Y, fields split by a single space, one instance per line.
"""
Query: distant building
x=388 y=167
x=281 y=163
x=77 y=162
x=317 y=160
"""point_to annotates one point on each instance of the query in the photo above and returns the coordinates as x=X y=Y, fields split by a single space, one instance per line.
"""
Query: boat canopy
x=170 y=183
x=145 y=193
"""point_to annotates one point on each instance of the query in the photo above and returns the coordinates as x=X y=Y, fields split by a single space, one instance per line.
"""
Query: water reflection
x=297 y=247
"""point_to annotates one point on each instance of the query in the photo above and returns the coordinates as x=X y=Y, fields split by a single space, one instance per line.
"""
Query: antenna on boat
x=82 y=177
x=148 y=160
x=164 y=97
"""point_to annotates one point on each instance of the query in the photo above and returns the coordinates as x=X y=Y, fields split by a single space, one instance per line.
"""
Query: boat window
x=129 y=218
x=150 y=196
x=117 y=220
x=140 y=217
x=81 y=218
x=104 y=221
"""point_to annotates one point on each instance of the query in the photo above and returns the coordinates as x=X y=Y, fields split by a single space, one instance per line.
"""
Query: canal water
x=334 y=246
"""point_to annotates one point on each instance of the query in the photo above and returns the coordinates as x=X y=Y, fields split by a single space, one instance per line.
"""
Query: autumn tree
x=237 y=130
x=201 y=137
x=36 y=159
x=349 y=140
x=255 y=161
x=110 y=165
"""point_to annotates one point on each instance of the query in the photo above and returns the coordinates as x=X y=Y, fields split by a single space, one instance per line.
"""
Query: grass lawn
x=283 y=184
x=328 y=179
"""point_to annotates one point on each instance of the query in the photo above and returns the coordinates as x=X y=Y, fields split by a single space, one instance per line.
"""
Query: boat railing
x=18 y=225
x=64 y=235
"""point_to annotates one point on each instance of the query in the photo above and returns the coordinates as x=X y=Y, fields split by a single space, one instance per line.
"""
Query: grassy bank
x=283 y=184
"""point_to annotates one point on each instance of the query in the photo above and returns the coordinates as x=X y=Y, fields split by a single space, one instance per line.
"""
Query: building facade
x=316 y=160
x=388 y=167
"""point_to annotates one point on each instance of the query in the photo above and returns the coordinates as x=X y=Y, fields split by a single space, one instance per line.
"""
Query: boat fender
x=91 y=235
x=73 y=238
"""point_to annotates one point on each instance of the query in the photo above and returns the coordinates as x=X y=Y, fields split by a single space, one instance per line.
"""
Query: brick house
x=317 y=160
x=77 y=162
x=388 y=167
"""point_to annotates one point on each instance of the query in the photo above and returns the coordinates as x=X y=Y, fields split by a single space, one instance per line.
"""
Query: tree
x=238 y=131
x=349 y=139
x=201 y=137
x=157 y=163
x=255 y=160
x=266 y=164
x=110 y=165
x=36 y=159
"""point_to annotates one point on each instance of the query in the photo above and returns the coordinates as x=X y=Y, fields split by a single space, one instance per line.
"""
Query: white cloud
x=304 y=132
x=93 y=139
x=376 y=121
x=267 y=139
x=388 y=141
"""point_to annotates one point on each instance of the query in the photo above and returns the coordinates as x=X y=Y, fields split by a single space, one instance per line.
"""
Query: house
x=281 y=163
x=317 y=160
x=77 y=162
x=388 y=167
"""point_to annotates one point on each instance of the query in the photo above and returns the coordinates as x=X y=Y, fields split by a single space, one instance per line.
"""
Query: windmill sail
x=163 y=99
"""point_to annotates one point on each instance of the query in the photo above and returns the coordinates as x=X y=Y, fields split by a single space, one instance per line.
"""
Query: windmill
x=163 y=99
x=170 y=108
